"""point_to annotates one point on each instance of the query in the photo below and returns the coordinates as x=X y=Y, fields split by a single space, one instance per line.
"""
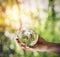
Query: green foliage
x=45 y=29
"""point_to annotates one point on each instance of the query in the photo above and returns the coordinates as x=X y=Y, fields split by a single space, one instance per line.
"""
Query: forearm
x=53 y=47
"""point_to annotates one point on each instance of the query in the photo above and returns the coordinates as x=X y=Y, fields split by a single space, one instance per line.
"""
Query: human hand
x=39 y=46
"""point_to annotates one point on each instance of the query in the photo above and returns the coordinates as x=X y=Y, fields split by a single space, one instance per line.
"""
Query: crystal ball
x=28 y=36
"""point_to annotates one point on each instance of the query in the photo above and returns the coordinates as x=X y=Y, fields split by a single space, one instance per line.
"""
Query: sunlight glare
x=15 y=12
x=26 y=20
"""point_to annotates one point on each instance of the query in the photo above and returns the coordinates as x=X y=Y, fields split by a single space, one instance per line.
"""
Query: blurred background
x=40 y=15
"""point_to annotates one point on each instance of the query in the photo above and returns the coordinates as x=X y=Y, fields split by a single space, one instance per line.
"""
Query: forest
x=42 y=16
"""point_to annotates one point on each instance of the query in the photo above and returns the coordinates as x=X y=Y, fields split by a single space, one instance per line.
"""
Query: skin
x=42 y=46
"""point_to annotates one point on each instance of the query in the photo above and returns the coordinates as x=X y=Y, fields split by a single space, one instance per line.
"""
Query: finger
x=41 y=40
x=24 y=45
x=17 y=40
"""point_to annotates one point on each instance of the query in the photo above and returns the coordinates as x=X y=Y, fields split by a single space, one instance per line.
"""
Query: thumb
x=41 y=40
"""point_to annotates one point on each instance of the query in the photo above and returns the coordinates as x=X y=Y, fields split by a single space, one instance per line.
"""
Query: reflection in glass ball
x=28 y=36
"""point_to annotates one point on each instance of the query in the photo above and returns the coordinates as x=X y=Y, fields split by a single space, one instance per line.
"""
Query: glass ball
x=28 y=36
